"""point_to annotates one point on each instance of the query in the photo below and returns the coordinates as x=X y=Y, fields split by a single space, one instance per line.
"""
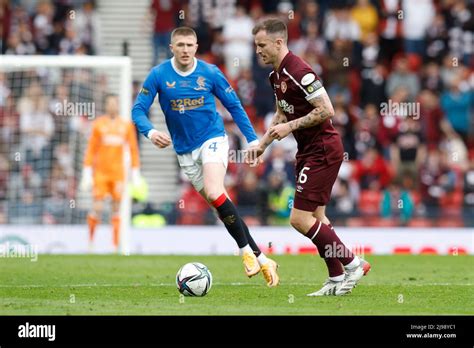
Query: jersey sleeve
x=132 y=143
x=308 y=81
x=92 y=146
x=226 y=94
x=143 y=102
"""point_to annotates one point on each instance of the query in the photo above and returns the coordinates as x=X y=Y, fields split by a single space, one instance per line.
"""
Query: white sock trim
x=338 y=278
x=317 y=230
x=246 y=249
x=353 y=264
x=262 y=259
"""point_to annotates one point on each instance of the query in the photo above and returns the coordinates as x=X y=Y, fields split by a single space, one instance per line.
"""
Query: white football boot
x=350 y=280
x=329 y=288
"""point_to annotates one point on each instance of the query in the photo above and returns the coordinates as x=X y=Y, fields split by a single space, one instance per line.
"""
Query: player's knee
x=212 y=195
x=297 y=223
x=213 y=192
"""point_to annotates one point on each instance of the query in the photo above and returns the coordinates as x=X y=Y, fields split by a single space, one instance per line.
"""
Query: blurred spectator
x=372 y=171
x=264 y=99
x=366 y=130
x=343 y=120
x=408 y=150
x=436 y=179
x=164 y=14
x=457 y=103
x=454 y=147
x=370 y=51
x=431 y=79
x=249 y=198
x=365 y=14
x=87 y=24
x=311 y=42
x=437 y=39
x=340 y=25
x=344 y=199
x=4 y=177
x=417 y=18
x=397 y=203
x=449 y=70
x=373 y=86
x=280 y=199
x=64 y=161
x=277 y=163
x=61 y=120
x=431 y=117
x=54 y=40
x=43 y=25
x=37 y=127
x=26 y=180
x=17 y=46
x=70 y=43
x=401 y=76
x=390 y=29
x=460 y=16
x=309 y=16
x=9 y=126
x=338 y=67
x=291 y=17
x=392 y=116
x=4 y=90
x=238 y=42
x=246 y=87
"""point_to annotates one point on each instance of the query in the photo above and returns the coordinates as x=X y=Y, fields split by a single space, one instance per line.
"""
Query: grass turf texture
x=145 y=285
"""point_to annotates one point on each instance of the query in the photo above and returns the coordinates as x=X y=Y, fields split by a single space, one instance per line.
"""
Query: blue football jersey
x=187 y=100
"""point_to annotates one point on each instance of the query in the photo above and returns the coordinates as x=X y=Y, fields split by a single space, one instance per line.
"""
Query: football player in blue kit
x=186 y=89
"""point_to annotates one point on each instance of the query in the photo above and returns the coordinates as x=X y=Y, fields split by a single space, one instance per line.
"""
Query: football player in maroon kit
x=304 y=109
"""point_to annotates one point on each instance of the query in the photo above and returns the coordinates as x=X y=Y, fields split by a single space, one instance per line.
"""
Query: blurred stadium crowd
x=400 y=74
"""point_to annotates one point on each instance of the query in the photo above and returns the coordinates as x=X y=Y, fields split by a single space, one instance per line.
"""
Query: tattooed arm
x=322 y=111
x=254 y=152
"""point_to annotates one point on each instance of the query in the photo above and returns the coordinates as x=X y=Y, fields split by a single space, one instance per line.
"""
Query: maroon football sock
x=329 y=245
x=335 y=267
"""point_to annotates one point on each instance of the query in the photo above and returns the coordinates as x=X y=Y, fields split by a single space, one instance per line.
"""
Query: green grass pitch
x=145 y=285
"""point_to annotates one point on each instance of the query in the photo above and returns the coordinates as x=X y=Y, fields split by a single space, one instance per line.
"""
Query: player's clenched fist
x=160 y=139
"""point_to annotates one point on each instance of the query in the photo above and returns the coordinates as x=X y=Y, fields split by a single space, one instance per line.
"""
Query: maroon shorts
x=314 y=181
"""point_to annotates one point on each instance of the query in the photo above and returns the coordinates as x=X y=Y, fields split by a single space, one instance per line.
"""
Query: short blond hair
x=183 y=31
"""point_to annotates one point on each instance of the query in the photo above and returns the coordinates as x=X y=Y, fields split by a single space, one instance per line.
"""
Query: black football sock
x=253 y=245
x=231 y=219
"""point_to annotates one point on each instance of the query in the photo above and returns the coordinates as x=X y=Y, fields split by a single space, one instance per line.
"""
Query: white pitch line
x=216 y=284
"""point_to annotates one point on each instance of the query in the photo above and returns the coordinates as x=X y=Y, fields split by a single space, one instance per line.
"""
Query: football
x=194 y=279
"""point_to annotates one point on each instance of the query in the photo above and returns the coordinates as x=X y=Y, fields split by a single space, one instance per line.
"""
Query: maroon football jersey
x=294 y=83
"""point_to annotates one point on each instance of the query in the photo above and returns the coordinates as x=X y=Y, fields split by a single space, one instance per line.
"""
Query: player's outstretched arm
x=323 y=110
x=223 y=90
x=256 y=151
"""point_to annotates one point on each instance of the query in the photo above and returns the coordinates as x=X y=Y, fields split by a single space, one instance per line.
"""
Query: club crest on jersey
x=283 y=86
x=170 y=84
x=201 y=84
